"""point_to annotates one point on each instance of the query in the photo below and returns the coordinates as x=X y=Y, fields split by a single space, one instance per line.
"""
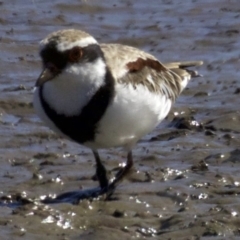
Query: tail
x=181 y=71
x=181 y=68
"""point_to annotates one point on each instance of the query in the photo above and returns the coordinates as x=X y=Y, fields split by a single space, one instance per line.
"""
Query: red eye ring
x=75 y=54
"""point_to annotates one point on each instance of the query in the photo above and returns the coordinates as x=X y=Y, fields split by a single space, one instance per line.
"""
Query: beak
x=45 y=76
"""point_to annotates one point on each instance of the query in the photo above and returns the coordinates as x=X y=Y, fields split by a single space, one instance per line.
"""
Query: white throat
x=69 y=92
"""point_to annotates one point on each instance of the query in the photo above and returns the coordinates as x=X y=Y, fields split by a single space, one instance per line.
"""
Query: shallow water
x=186 y=180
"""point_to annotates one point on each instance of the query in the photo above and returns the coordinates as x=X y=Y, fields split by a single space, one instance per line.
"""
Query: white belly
x=132 y=114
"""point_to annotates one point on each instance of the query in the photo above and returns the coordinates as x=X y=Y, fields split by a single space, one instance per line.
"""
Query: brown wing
x=133 y=66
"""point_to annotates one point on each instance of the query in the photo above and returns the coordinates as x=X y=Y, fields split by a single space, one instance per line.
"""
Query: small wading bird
x=103 y=96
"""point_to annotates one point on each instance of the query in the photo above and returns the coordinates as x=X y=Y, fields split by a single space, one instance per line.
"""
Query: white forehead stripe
x=65 y=45
x=84 y=42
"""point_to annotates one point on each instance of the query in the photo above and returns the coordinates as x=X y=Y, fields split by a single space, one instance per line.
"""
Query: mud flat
x=186 y=181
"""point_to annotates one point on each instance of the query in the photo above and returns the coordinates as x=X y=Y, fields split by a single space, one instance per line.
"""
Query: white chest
x=67 y=95
x=132 y=114
x=71 y=90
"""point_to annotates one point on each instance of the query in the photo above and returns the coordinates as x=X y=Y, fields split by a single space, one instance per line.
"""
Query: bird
x=104 y=95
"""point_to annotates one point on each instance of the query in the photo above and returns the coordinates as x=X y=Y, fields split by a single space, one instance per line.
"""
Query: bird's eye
x=75 y=54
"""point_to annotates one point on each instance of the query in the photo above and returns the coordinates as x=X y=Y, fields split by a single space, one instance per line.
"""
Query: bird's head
x=70 y=51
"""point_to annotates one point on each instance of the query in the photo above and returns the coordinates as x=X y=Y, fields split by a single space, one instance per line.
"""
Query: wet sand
x=186 y=179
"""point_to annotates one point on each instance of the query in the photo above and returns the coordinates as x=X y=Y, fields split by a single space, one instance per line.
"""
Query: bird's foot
x=75 y=197
x=106 y=188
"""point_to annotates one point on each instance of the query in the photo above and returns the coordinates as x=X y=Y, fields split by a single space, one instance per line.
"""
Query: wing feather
x=130 y=65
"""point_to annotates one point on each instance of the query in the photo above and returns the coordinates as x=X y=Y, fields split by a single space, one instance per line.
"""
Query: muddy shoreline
x=186 y=180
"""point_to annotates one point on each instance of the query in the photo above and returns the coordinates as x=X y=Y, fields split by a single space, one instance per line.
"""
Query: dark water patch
x=200 y=167
x=186 y=123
